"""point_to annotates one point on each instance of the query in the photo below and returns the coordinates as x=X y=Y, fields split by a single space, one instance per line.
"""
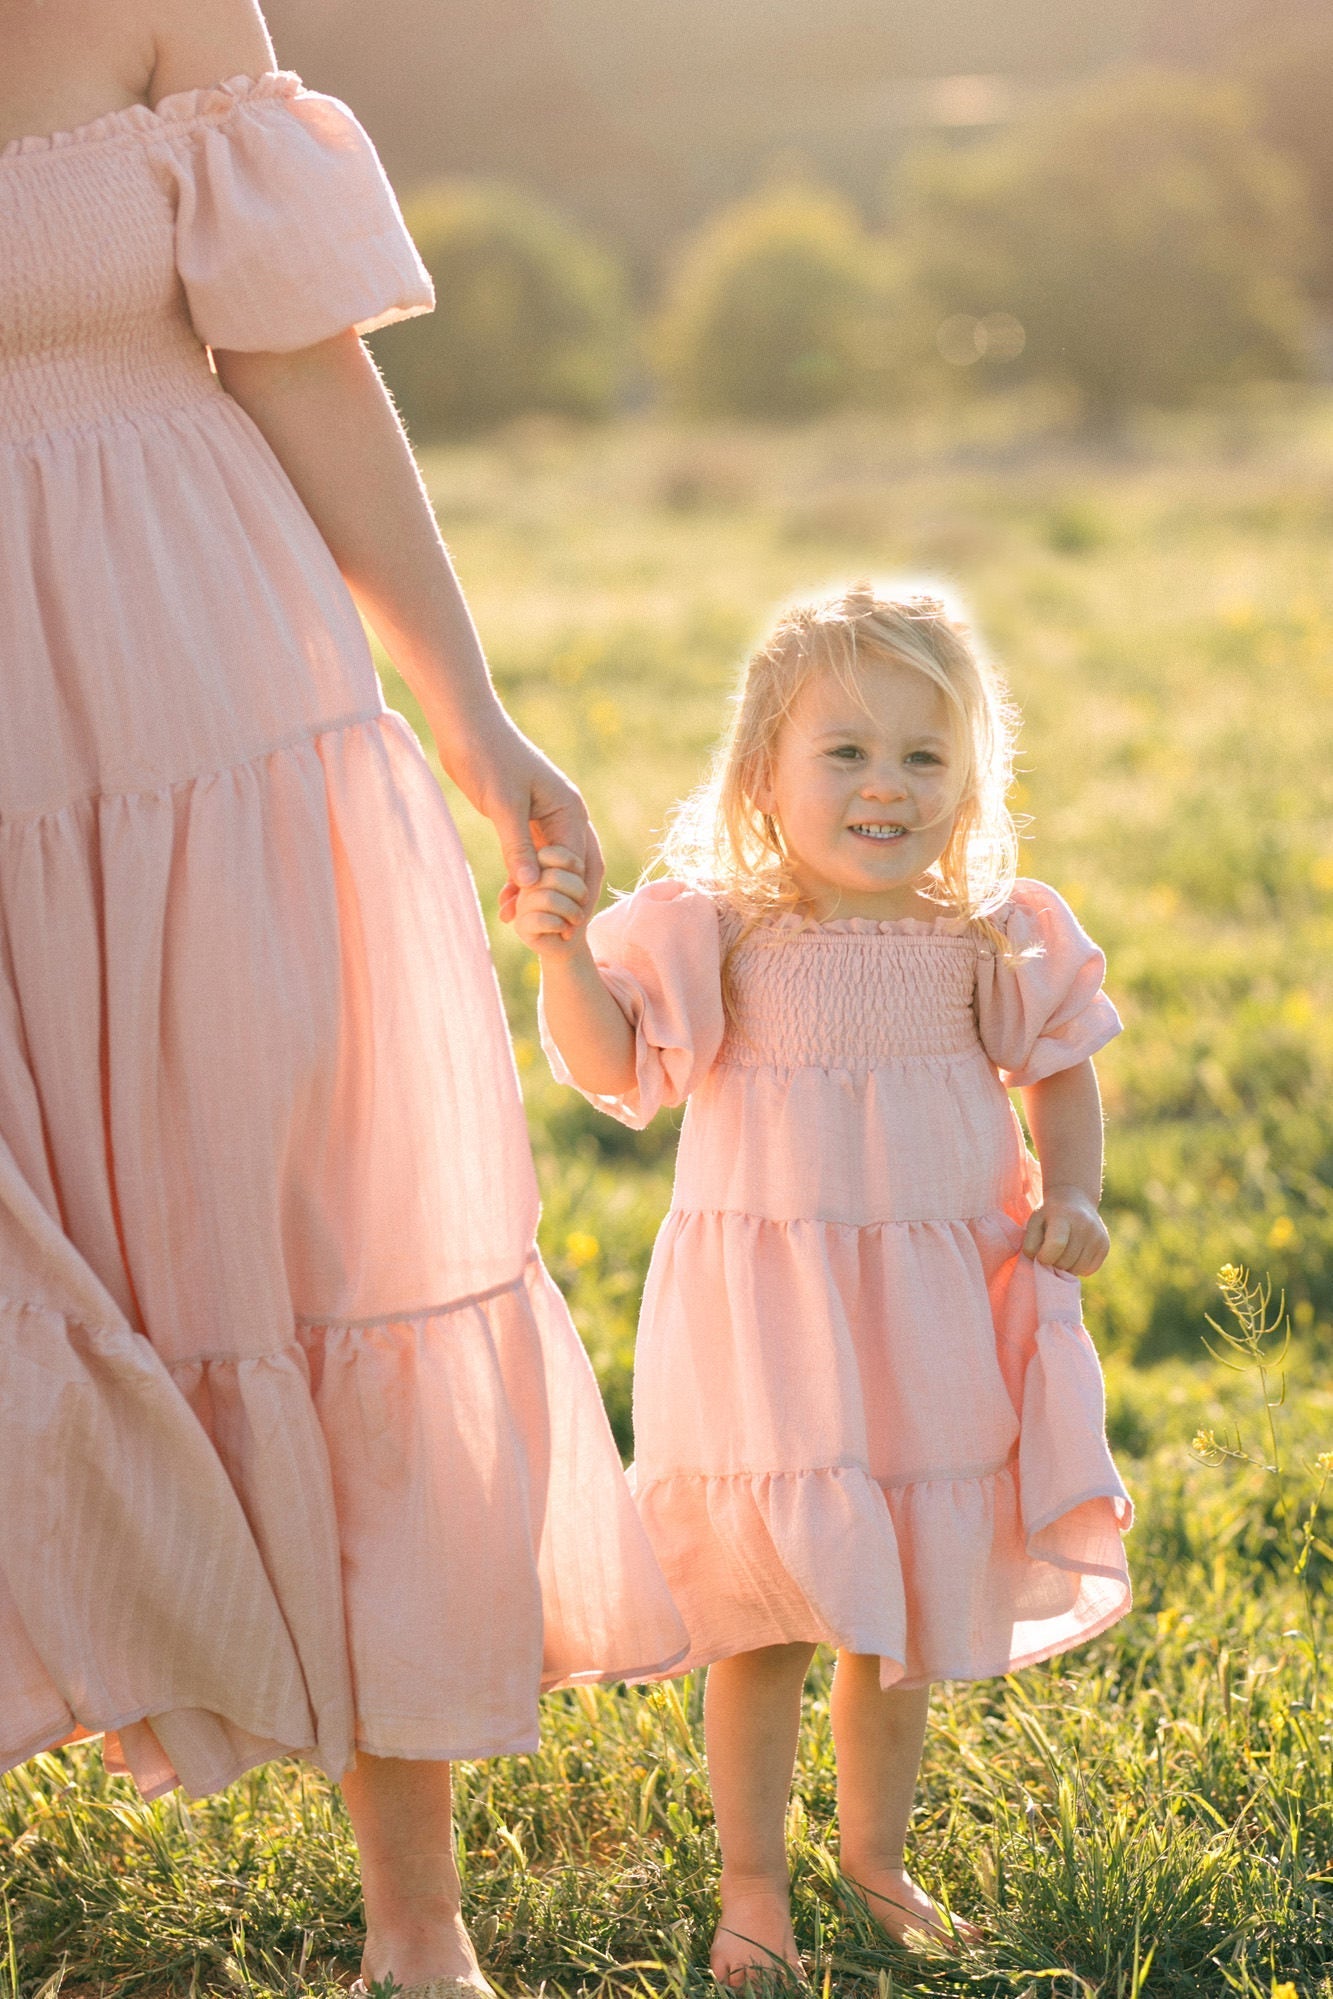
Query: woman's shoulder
x=199 y=44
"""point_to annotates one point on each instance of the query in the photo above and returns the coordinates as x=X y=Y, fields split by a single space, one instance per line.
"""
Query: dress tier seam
x=308 y=734
x=856 y=1228
x=871 y=1063
x=931 y=1475
x=311 y=1324
x=159 y=414
x=301 y=1323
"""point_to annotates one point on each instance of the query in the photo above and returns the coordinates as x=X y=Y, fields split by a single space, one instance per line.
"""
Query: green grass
x=1170 y=1783
x=1154 y=1814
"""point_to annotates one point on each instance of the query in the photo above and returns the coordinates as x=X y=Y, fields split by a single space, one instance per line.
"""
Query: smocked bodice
x=838 y=998
x=93 y=318
x=253 y=215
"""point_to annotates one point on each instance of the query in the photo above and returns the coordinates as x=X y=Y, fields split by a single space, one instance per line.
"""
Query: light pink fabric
x=861 y=1415
x=298 y=1446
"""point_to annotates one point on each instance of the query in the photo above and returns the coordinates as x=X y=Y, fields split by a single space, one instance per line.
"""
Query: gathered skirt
x=299 y=1448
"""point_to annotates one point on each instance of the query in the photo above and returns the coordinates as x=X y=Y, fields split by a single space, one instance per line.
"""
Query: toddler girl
x=866 y=1412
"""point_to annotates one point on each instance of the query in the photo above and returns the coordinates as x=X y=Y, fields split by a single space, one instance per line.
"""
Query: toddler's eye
x=846 y=752
x=925 y=757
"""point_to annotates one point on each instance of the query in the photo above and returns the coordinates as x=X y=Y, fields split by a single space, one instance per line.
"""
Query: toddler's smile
x=868 y=831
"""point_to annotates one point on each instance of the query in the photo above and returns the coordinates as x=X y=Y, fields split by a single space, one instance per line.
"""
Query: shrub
x=1147 y=242
x=781 y=307
x=530 y=316
x=1292 y=82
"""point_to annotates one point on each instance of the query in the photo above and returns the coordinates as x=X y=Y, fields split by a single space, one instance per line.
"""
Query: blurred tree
x=1291 y=78
x=531 y=315
x=639 y=120
x=1147 y=242
x=781 y=307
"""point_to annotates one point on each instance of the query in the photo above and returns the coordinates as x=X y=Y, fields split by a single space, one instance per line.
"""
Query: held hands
x=552 y=913
x=531 y=805
x=584 y=1019
x=1067 y=1233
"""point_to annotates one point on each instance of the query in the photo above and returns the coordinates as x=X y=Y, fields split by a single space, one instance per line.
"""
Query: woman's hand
x=530 y=803
x=552 y=915
x=1067 y=1233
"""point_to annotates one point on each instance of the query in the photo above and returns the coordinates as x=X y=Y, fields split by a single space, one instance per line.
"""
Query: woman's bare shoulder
x=199 y=42
x=69 y=62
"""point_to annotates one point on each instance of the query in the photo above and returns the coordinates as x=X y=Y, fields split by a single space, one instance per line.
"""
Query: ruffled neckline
x=180 y=108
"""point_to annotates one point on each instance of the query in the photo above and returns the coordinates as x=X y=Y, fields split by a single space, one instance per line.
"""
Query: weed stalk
x=1258 y=1341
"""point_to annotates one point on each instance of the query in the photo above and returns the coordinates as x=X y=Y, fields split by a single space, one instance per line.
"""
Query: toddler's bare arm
x=1064 y=1114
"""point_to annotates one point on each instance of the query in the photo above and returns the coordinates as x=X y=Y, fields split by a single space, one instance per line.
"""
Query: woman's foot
x=402 y=1814
x=415 y=1952
x=754 y=1936
x=905 y=1912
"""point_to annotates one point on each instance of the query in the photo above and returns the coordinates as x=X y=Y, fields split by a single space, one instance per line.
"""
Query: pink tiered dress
x=298 y=1447
x=861 y=1416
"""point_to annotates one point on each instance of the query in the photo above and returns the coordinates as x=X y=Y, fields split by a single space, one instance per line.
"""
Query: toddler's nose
x=883 y=785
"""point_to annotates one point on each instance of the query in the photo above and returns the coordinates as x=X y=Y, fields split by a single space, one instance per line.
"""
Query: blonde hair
x=719 y=838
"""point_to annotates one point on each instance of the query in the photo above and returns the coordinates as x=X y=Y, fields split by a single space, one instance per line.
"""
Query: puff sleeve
x=1045 y=1010
x=660 y=953
x=287 y=230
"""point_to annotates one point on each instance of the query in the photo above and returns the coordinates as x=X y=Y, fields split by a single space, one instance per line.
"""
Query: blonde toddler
x=866 y=1412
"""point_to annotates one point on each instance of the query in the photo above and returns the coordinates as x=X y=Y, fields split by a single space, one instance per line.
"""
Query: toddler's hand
x=551 y=914
x=1067 y=1233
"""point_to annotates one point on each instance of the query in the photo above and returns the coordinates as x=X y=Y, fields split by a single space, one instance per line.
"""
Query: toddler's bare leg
x=402 y=1815
x=879 y=1734
x=752 y=1716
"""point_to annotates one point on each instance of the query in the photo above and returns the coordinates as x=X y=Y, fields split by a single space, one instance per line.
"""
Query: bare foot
x=906 y=1912
x=415 y=1953
x=754 y=1935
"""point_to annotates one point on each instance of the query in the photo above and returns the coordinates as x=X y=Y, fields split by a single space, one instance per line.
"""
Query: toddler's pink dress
x=861 y=1416
x=298 y=1446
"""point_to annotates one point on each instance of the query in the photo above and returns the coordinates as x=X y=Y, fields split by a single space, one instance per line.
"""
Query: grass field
x=1153 y=1815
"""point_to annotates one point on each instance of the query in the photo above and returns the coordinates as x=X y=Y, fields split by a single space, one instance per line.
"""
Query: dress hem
x=612 y=1676
x=1124 y=1512
x=901 y=1681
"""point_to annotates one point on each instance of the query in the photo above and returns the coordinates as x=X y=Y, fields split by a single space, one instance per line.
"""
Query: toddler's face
x=865 y=789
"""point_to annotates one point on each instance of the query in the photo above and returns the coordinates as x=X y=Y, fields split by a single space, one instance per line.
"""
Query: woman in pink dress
x=298 y=1447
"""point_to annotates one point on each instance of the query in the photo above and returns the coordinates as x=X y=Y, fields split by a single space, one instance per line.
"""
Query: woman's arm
x=325 y=413
x=583 y=1016
x=329 y=421
x=1064 y=1114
